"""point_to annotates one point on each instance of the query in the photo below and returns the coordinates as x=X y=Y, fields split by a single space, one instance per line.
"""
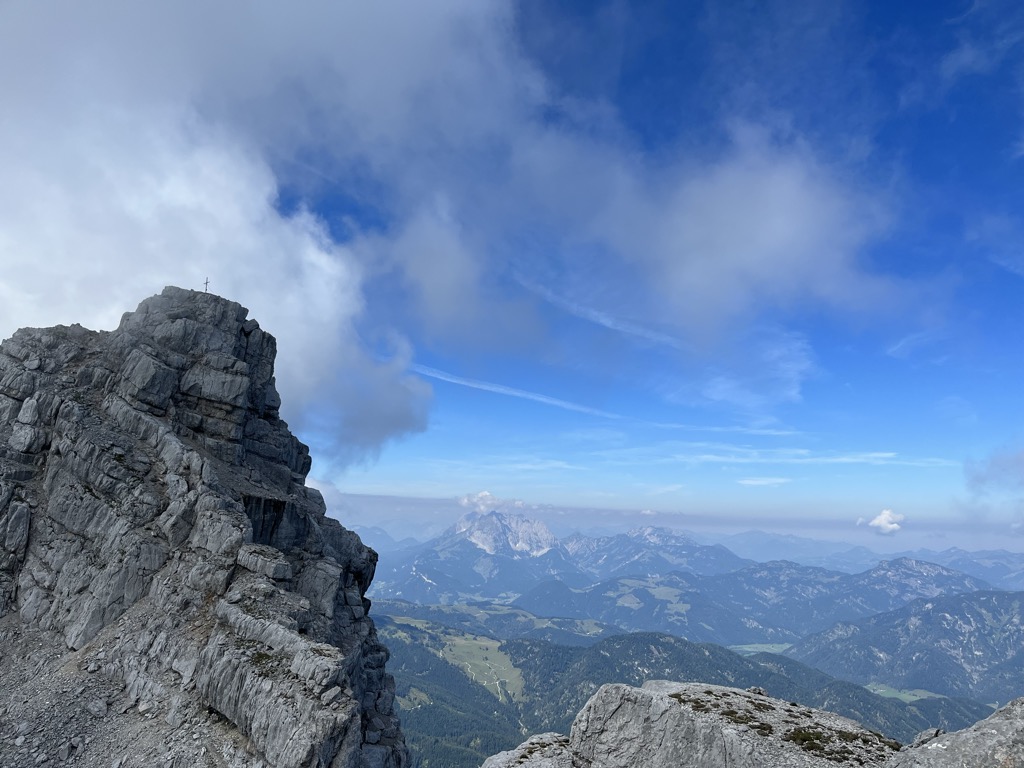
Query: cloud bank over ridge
x=162 y=144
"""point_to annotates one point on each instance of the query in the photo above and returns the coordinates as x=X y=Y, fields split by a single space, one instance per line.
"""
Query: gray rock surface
x=546 y=750
x=997 y=741
x=666 y=725
x=170 y=589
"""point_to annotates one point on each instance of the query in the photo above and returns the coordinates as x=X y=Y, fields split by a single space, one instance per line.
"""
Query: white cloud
x=147 y=144
x=765 y=481
x=886 y=522
x=121 y=177
x=485 y=501
x=766 y=224
x=441 y=269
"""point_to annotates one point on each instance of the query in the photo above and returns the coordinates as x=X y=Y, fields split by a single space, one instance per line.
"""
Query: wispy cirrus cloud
x=501 y=389
x=727 y=454
x=910 y=344
x=764 y=481
x=764 y=431
x=990 y=33
x=767 y=370
x=1000 y=237
x=602 y=318
x=509 y=465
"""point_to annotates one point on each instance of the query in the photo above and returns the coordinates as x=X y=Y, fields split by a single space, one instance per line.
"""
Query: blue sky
x=754 y=262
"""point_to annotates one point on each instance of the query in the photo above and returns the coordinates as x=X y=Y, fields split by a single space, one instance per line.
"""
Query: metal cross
x=206 y=285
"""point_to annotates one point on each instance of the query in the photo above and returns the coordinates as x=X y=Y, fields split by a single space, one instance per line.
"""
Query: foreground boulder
x=996 y=741
x=666 y=725
x=171 y=592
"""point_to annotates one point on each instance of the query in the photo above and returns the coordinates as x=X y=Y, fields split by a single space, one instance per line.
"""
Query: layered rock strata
x=666 y=725
x=170 y=589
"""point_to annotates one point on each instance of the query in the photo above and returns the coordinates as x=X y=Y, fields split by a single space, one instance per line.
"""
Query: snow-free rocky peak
x=171 y=592
x=664 y=537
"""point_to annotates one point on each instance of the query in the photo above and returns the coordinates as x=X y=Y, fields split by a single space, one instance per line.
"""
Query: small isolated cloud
x=885 y=523
x=764 y=481
x=485 y=501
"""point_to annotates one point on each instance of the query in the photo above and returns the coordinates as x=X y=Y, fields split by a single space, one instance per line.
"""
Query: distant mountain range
x=500 y=556
x=674 y=603
x=483 y=556
x=1000 y=568
x=959 y=645
x=462 y=694
x=761 y=603
x=381 y=541
x=651 y=579
x=648 y=551
x=498 y=601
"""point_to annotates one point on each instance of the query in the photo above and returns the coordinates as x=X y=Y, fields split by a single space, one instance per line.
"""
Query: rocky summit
x=171 y=592
x=666 y=725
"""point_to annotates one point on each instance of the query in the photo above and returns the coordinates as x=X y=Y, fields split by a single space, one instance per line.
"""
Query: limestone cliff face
x=666 y=725
x=162 y=562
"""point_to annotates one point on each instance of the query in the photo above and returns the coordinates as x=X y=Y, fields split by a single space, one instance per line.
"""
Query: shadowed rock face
x=163 y=563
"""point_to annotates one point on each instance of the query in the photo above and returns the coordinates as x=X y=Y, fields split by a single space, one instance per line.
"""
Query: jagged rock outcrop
x=996 y=741
x=666 y=725
x=170 y=589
